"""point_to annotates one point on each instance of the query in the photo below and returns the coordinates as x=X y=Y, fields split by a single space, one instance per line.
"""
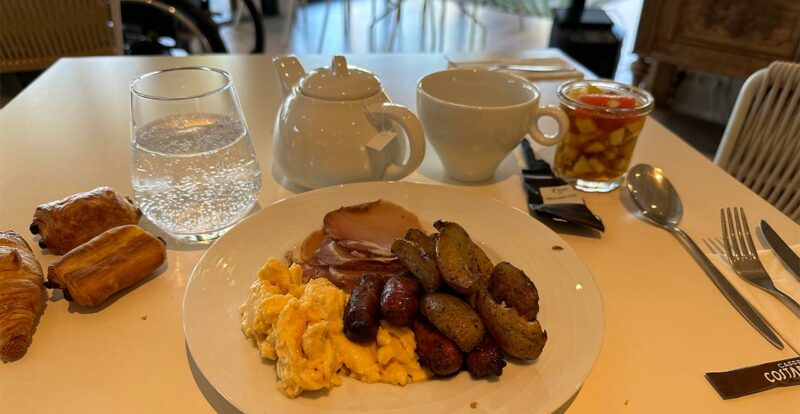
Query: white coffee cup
x=475 y=117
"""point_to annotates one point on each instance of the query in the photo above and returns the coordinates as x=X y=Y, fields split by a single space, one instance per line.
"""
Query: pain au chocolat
x=106 y=264
x=67 y=223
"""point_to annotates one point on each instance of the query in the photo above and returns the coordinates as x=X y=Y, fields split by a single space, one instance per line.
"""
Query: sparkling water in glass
x=195 y=172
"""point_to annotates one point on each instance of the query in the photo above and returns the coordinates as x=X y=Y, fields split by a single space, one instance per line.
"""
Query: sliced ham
x=365 y=248
x=378 y=223
x=311 y=244
x=355 y=240
x=313 y=272
x=331 y=253
x=343 y=278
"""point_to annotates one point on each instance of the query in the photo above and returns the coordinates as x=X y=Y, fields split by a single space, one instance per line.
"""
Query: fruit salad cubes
x=605 y=120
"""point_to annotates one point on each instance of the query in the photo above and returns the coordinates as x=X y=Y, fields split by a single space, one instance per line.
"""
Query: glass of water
x=195 y=172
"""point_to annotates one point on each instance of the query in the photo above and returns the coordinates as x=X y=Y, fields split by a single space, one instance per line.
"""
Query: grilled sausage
x=486 y=359
x=400 y=300
x=361 y=313
x=436 y=350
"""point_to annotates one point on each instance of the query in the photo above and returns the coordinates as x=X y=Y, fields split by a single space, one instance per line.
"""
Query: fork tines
x=740 y=245
x=743 y=256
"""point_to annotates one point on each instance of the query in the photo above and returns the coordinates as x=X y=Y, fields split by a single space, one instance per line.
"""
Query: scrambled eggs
x=300 y=326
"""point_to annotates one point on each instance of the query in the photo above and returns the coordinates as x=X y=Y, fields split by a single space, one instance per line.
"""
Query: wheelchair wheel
x=170 y=27
x=258 y=25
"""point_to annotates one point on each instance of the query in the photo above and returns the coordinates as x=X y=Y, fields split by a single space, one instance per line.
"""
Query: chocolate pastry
x=68 y=223
x=106 y=264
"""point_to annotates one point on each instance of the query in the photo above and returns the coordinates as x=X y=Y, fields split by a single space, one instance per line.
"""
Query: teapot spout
x=290 y=71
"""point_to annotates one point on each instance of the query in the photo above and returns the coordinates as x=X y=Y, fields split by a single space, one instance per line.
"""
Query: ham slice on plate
x=379 y=223
x=331 y=253
x=362 y=247
x=311 y=244
x=355 y=240
x=343 y=278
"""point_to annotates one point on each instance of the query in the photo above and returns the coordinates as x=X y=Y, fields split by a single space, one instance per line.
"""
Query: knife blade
x=782 y=250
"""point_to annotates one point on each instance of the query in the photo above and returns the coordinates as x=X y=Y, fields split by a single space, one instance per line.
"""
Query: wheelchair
x=177 y=27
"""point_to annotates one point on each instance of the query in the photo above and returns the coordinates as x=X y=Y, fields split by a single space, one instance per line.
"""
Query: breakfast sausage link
x=400 y=300
x=361 y=313
x=486 y=359
x=436 y=350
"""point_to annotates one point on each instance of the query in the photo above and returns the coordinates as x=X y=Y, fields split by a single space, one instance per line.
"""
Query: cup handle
x=555 y=113
x=414 y=133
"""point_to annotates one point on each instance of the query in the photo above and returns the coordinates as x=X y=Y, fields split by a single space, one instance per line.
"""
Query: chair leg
x=303 y=10
x=428 y=13
x=441 y=25
x=484 y=29
x=396 y=27
x=472 y=26
x=472 y=16
x=391 y=8
x=371 y=34
x=424 y=23
x=324 y=25
x=237 y=18
x=432 y=17
x=288 y=21
x=346 y=6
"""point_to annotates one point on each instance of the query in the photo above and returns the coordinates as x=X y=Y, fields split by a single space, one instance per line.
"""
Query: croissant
x=106 y=264
x=22 y=295
x=67 y=223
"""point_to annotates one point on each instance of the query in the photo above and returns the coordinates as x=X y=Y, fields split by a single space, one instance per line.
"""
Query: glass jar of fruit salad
x=605 y=119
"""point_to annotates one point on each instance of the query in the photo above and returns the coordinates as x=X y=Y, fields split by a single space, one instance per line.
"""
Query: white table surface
x=666 y=324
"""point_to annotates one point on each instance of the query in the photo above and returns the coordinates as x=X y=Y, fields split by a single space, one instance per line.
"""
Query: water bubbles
x=195 y=173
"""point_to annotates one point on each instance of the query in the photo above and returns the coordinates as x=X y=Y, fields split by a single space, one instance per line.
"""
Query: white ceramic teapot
x=336 y=126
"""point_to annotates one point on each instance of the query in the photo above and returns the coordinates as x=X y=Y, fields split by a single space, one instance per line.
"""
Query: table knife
x=784 y=252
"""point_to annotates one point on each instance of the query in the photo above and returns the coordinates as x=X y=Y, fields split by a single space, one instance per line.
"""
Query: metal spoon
x=659 y=203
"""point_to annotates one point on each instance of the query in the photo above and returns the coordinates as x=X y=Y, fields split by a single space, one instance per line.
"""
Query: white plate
x=571 y=308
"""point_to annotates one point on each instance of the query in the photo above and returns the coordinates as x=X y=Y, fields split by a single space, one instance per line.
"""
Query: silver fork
x=742 y=255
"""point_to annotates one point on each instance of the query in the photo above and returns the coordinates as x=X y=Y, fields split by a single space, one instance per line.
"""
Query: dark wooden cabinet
x=727 y=37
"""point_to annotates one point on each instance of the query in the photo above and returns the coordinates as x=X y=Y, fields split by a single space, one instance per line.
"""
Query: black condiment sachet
x=538 y=178
x=757 y=378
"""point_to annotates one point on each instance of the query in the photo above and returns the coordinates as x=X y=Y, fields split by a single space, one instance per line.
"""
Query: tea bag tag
x=562 y=194
x=381 y=140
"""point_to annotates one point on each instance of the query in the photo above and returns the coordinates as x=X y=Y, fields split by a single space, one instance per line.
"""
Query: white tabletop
x=666 y=324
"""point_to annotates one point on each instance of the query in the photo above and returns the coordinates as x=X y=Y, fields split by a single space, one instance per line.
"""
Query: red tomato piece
x=608 y=101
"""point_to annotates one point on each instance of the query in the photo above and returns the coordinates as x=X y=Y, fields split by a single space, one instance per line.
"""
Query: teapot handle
x=414 y=133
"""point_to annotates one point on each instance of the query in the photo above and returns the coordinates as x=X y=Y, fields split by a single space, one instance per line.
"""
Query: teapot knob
x=339 y=66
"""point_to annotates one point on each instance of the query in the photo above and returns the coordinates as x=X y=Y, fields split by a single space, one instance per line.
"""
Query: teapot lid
x=340 y=82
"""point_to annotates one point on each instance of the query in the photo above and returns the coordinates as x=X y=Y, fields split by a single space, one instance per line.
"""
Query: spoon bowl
x=654 y=196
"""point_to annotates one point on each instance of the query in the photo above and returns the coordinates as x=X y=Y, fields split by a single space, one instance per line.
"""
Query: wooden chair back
x=761 y=144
